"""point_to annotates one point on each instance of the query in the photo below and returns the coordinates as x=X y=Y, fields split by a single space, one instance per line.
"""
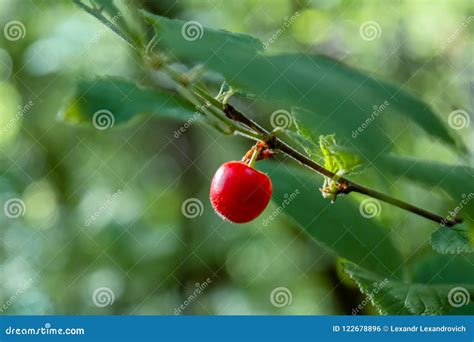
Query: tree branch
x=347 y=186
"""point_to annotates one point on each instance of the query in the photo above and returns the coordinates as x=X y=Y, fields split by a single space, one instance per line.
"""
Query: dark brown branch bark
x=347 y=186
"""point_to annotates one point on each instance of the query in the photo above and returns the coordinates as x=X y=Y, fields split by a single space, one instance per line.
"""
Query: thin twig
x=348 y=186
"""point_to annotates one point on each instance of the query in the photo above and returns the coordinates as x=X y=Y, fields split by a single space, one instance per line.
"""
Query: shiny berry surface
x=239 y=193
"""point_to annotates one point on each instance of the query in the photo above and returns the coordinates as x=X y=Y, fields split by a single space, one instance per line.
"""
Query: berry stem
x=252 y=160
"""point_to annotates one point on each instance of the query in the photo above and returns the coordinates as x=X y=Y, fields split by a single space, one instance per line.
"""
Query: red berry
x=239 y=193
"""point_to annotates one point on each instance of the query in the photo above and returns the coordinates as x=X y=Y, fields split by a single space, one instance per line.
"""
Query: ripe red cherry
x=239 y=193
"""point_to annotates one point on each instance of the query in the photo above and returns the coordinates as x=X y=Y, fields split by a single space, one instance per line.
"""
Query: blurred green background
x=134 y=179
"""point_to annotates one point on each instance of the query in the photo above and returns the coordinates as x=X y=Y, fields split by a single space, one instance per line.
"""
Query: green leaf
x=455 y=180
x=338 y=98
x=304 y=136
x=452 y=240
x=392 y=297
x=340 y=226
x=444 y=269
x=192 y=42
x=447 y=269
x=118 y=100
x=336 y=160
